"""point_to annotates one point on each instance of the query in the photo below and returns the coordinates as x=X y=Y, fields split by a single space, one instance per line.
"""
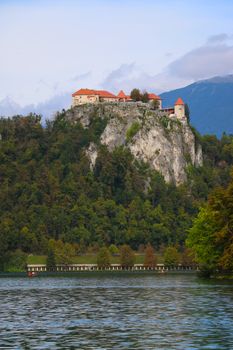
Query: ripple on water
x=115 y=312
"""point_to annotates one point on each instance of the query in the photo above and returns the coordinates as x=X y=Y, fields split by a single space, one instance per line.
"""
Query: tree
x=150 y=258
x=127 y=256
x=135 y=95
x=187 y=111
x=171 y=256
x=103 y=258
x=16 y=261
x=113 y=249
x=202 y=240
x=188 y=257
x=27 y=239
x=145 y=97
x=51 y=262
x=155 y=104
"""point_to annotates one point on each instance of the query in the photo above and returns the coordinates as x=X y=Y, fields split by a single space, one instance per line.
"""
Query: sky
x=52 y=47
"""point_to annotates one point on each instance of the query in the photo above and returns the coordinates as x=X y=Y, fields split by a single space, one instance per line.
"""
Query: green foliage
x=135 y=95
x=145 y=97
x=171 y=256
x=187 y=112
x=127 y=256
x=16 y=261
x=155 y=104
x=51 y=261
x=132 y=131
x=201 y=238
x=103 y=257
x=60 y=253
x=211 y=235
x=47 y=191
x=113 y=250
x=165 y=121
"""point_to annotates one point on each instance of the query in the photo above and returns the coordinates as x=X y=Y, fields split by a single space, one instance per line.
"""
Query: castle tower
x=179 y=108
x=122 y=96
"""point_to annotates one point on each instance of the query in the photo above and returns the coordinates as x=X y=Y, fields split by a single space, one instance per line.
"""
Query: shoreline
x=96 y=272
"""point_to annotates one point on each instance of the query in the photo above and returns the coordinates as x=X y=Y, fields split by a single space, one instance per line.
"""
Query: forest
x=49 y=194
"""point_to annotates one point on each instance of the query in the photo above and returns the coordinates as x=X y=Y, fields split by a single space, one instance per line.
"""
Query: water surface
x=116 y=311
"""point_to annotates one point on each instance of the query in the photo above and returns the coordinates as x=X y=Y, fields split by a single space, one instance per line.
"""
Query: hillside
x=210 y=103
x=95 y=176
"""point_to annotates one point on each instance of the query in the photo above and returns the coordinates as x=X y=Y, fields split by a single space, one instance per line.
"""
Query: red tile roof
x=153 y=97
x=101 y=93
x=122 y=94
x=179 y=102
x=84 y=92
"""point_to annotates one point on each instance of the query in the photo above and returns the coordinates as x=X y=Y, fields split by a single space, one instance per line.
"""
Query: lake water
x=116 y=311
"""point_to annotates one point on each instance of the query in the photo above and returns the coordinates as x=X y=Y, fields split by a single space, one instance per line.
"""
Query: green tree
x=187 y=111
x=103 y=258
x=135 y=95
x=51 y=262
x=113 y=250
x=145 y=97
x=16 y=261
x=27 y=239
x=171 y=256
x=202 y=240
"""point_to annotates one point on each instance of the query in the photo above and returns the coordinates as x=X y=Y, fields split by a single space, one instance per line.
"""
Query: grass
x=88 y=259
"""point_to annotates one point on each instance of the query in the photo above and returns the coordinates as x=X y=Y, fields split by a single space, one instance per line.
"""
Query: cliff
x=168 y=145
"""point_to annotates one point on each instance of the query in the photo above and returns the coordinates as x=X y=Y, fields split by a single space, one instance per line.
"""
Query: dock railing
x=112 y=267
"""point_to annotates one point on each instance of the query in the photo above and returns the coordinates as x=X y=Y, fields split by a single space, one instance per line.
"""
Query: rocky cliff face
x=167 y=144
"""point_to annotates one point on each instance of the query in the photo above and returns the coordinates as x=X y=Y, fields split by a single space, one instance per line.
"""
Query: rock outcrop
x=166 y=143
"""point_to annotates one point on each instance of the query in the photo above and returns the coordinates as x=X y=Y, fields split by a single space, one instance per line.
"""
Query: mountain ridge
x=211 y=110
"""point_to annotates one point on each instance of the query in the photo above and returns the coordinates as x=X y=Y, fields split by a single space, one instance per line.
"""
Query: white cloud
x=204 y=62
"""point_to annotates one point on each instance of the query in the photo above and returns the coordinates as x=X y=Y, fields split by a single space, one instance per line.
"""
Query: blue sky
x=54 y=47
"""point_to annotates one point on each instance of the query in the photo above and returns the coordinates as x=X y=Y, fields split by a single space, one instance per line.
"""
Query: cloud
x=127 y=77
x=219 y=38
x=205 y=61
x=82 y=76
x=211 y=59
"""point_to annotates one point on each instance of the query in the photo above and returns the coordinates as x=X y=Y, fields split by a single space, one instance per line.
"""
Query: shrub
x=132 y=131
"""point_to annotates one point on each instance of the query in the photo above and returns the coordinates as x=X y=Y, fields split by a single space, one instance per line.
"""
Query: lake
x=116 y=311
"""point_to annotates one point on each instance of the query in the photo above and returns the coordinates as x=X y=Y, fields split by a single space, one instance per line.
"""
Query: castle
x=84 y=96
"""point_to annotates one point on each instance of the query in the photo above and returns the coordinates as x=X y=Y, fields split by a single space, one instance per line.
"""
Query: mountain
x=210 y=104
x=9 y=108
